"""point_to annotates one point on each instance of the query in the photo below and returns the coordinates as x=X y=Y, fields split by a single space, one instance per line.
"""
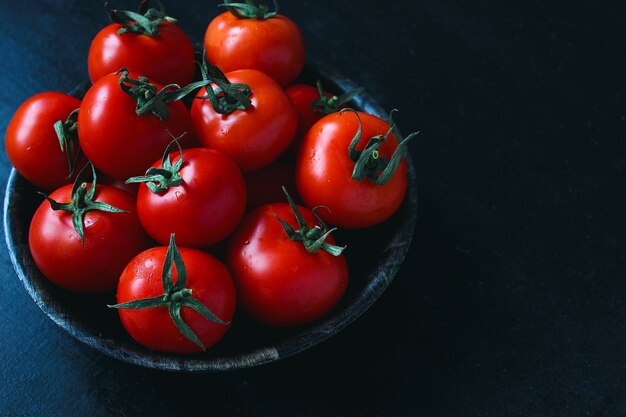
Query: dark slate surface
x=512 y=300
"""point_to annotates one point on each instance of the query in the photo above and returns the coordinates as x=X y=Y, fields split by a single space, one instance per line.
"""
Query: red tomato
x=253 y=137
x=324 y=172
x=302 y=97
x=118 y=141
x=264 y=185
x=206 y=206
x=118 y=183
x=278 y=282
x=31 y=143
x=273 y=46
x=167 y=57
x=210 y=283
x=111 y=241
x=312 y=104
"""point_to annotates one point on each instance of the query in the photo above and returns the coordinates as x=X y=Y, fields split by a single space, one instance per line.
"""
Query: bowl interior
x=374 y=256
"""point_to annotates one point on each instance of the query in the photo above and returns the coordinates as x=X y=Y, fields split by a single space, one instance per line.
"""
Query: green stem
x=82 y=202
x=159 y=179
x=227 y=97
x=175 y=296
x=145 y=21
x=67 y=133
x=368 y=163
x=313 y=238
x=251 y=9
x=148 y=99
x=327 y=105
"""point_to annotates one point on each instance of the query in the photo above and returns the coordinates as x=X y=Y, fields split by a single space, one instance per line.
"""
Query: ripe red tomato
x=118 y=183
x=278 y=281
x=324 y=172
x=253 y=137
x=303 y=96
x=166 y=56
x=264 y=185
x=118 y=141
x=312 y=104
x=204 y=208
x=273 y=45
x=111 y=241
x=31 y=143
x=209 y=282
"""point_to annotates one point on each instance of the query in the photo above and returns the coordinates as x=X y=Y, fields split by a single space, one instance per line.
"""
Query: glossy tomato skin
x=264 y=186
x=302 y=97
x=118 y=183
x=111 y=241
x=31 y=143
x=168 y=57
x=273 y=46
x=204 y=209
x=210 y=282
x=324 y=172
x=116 y=140
x=253 y=137
x=278 y=282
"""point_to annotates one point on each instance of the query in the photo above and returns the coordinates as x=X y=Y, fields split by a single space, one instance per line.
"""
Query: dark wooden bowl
x=374 y=255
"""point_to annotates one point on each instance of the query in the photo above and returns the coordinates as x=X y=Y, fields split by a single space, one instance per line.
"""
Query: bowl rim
x=389 y=263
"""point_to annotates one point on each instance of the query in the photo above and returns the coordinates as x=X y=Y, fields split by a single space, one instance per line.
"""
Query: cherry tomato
x=273 y=45
x=302 y=97
x=204 y=208
x=324 y=172
x=278 y=281
x=312 y=104
x=253 y=137
x=118 y=141
x=111 y=240
x=264 y=185
x=166 y=57
x=210 y=283
x=31 y=143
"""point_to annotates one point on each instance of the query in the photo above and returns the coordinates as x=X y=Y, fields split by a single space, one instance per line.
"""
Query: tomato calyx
x=313 y=238
x=82 y=202
x=67 y=133
x=175 y=296
x=145 y=21
x=159 y=179
x=227 y=97
x=149 y=100
x=368 y=163
x=327 y=105
x=251 y=9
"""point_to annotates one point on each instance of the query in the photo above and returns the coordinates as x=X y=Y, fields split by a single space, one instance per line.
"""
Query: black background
x=512 y=299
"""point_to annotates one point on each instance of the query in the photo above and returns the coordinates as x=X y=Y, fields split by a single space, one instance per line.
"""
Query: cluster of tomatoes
x=143 y=188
